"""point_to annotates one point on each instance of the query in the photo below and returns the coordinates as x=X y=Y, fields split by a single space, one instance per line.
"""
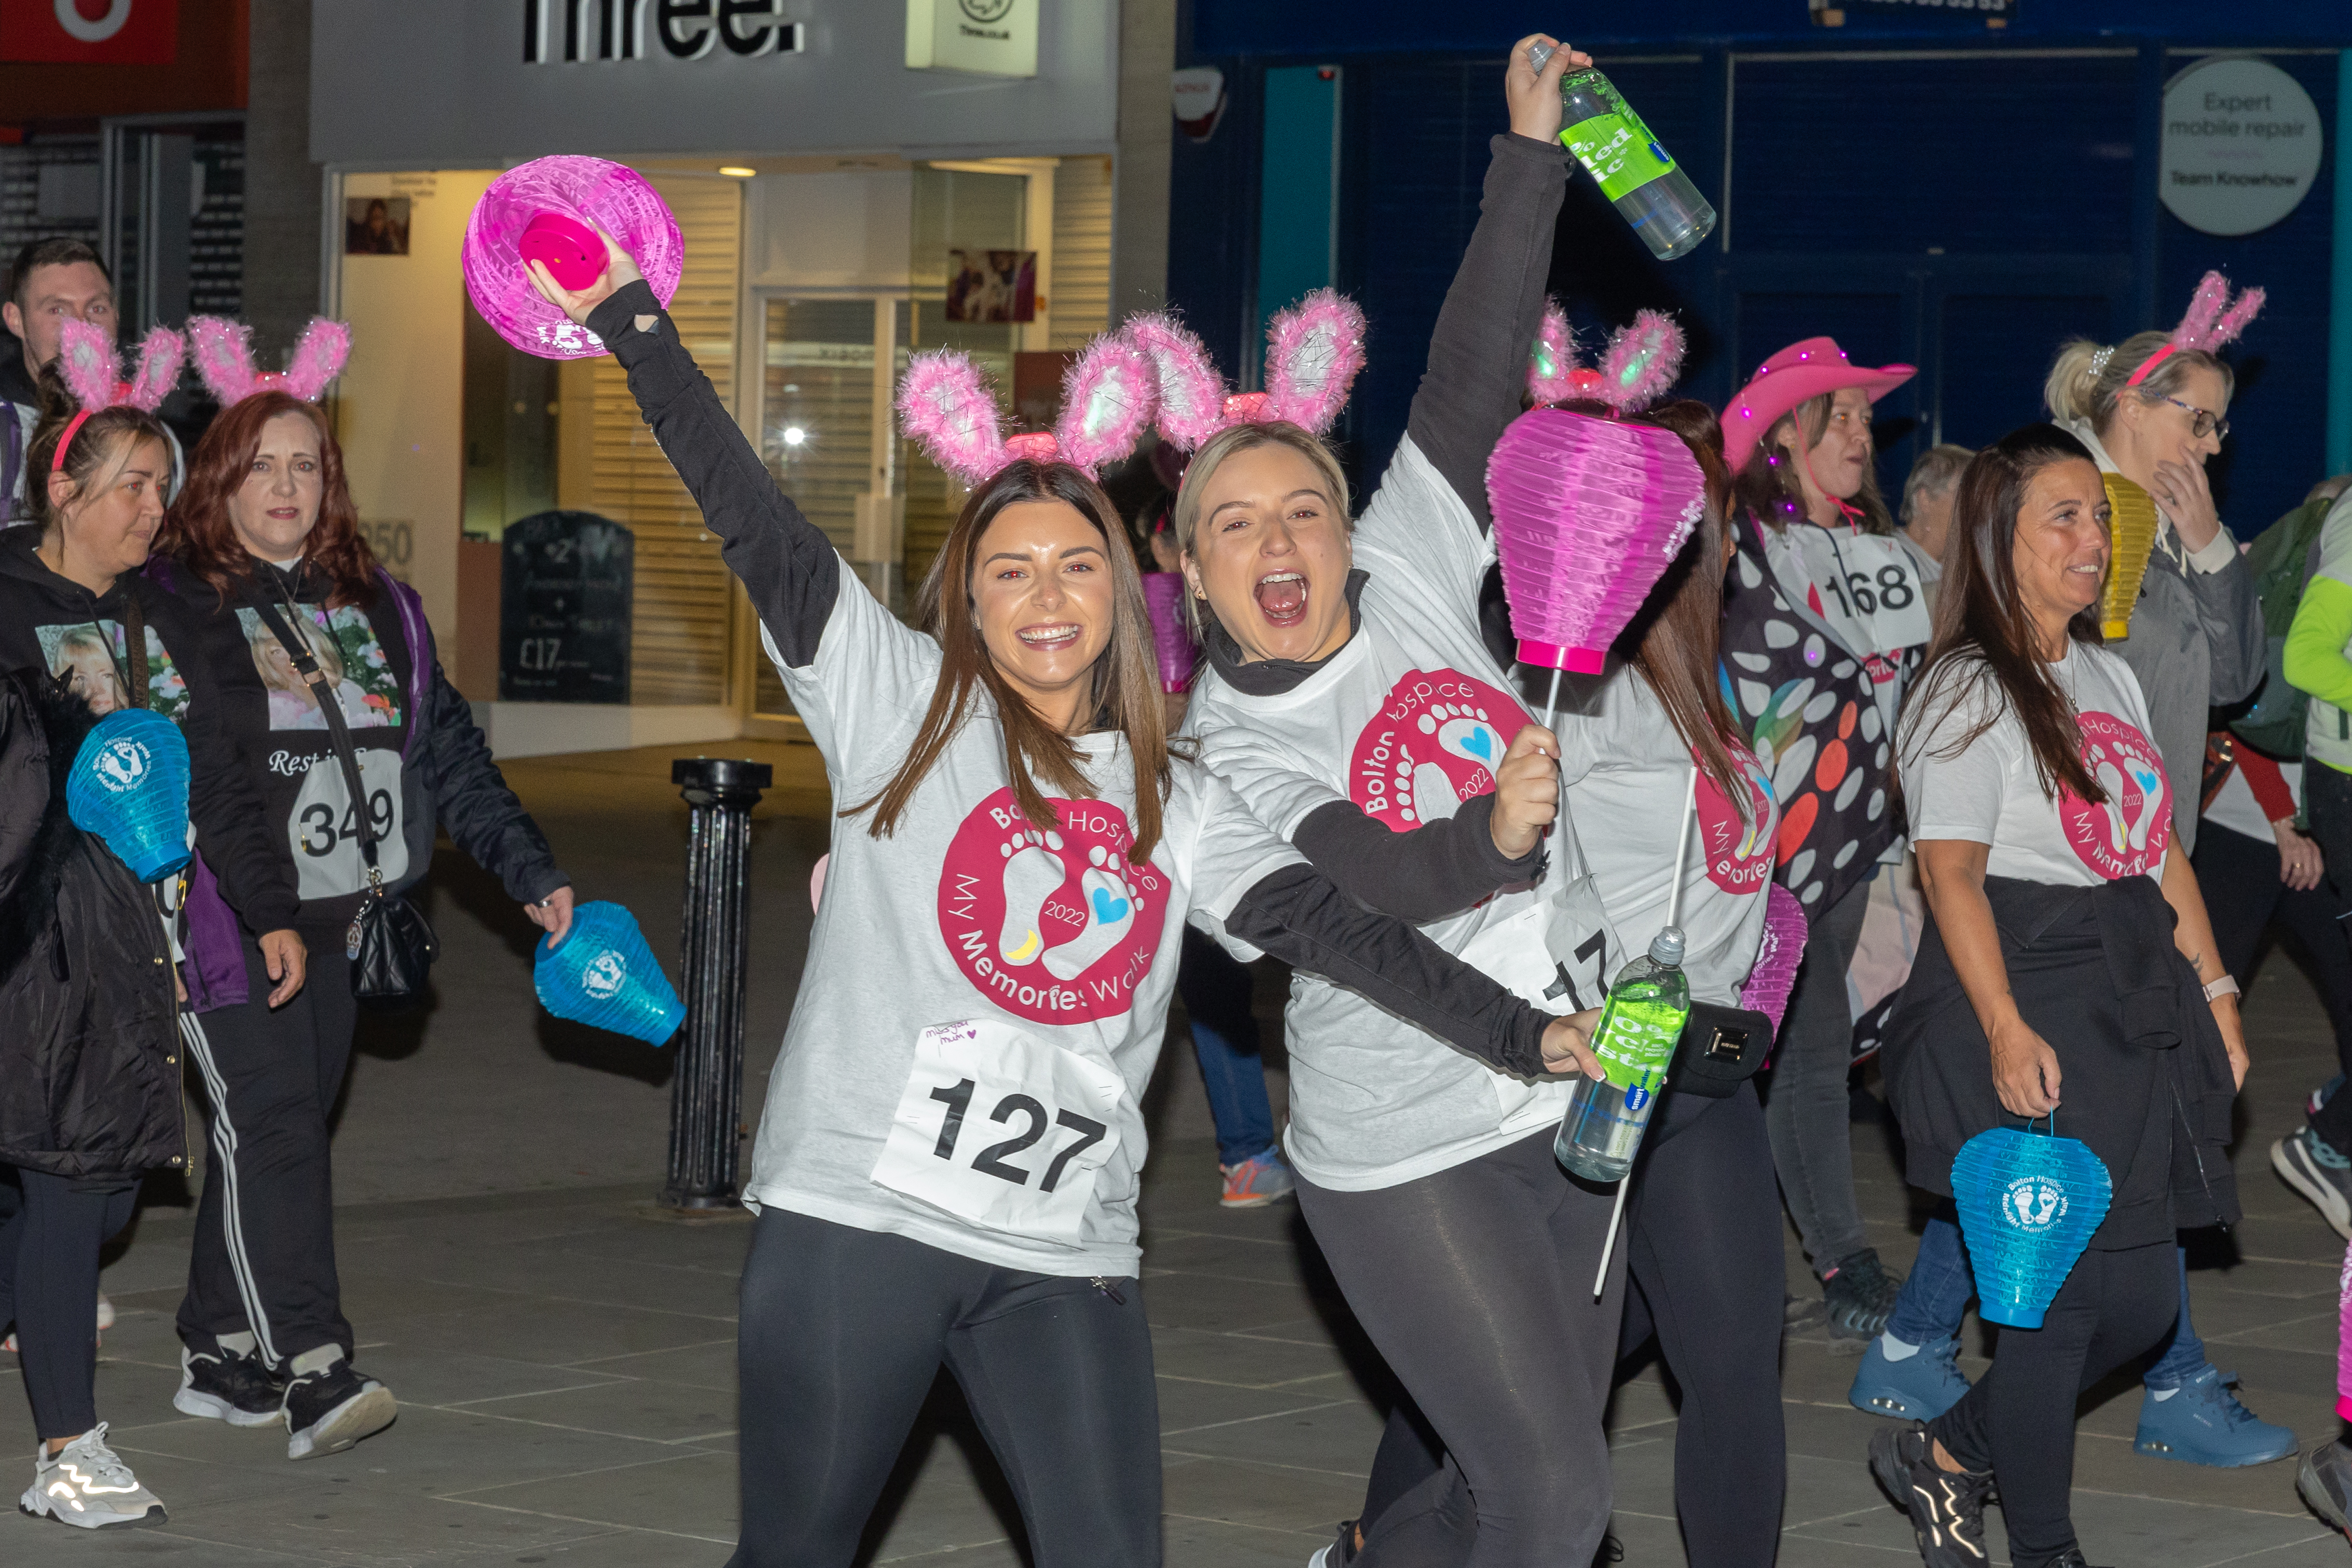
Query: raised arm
x=1478 y=354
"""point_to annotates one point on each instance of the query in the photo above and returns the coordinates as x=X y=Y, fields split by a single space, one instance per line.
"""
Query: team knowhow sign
x=991 y=37
x=575 y=30
x=2242 y=144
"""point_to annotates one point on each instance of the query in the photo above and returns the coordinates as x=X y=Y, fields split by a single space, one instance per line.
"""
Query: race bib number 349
x=324 y=829
x=1005 y=1131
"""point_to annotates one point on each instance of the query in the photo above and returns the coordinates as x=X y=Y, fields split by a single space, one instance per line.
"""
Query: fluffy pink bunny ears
x=224 y=352
x=1314 y=350
x=2211 y=321
x=1106 y=401
x=1640 y=365
x=93 y=373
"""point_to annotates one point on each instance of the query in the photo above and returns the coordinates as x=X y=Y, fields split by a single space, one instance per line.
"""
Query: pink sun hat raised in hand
x=1797 y=373
x=541 y=210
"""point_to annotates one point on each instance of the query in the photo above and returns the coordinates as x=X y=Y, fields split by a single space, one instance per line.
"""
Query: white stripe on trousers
x=192 y=1030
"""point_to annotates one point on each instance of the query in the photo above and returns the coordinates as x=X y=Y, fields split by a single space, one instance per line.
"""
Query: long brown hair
x=1767 y=484
x=1678 y=635
x=1126 y=690
x=198 y=533
x=1983 y=629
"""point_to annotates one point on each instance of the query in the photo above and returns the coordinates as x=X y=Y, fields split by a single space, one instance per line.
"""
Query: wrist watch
x=2225 y=986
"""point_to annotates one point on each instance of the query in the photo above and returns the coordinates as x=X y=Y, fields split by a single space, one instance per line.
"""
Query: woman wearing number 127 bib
x=947 y=1169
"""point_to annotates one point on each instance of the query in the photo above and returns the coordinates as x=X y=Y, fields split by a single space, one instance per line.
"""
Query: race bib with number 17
x=1003 y=1131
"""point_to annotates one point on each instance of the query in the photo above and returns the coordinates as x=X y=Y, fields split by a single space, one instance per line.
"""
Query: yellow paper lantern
x=2131 y=533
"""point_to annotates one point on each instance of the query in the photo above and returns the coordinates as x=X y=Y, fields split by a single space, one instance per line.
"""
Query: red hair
x=198 y=533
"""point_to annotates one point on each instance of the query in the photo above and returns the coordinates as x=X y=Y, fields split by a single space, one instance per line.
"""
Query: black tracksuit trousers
x=264 y=1259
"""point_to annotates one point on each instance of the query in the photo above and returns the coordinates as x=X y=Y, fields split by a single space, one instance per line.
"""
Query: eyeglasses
x=2202 y=422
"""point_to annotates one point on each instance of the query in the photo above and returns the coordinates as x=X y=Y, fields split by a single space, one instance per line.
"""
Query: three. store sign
x=561 y=31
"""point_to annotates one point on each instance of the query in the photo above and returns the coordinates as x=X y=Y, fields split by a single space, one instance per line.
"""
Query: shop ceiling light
x=738 y=170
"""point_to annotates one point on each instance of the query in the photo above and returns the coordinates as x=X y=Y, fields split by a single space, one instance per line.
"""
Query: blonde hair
x=2083 y=388
x=1935 y=470
x=1186 y=518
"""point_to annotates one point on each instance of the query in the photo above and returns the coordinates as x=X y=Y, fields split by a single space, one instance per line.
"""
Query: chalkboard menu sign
x=564 y=609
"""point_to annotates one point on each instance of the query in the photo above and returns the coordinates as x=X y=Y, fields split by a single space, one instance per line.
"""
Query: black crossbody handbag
x=390 y=944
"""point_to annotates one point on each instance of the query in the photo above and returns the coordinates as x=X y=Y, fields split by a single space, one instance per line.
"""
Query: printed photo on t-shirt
x=345 y=646
x=91 y=656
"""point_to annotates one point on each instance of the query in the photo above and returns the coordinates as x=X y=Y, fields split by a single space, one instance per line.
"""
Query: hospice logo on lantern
x=2125 y=835
x=1050 y=922
x=1435 y=743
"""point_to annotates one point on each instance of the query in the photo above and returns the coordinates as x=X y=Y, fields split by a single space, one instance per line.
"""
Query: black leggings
x=48 y=1288
x=2019 y=1419
x=1475 y=1285
x=1703 y=1235
x=843 y=1333
x=2240 y=878
x=1702 y=1245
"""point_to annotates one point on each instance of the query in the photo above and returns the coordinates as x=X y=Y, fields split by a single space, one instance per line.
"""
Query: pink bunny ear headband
x=1314 y=350
x=2211 y=321
x=1106 y=404
x=93 y=373
x=223 y=354
x=1640 y=363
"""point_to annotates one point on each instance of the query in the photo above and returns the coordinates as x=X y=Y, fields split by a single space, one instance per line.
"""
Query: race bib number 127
x=1003 y=1130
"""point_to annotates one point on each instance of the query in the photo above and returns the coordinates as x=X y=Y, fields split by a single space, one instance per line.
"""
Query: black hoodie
x=54 y=624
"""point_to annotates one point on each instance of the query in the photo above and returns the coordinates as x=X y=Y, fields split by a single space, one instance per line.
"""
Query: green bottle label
x=1635 y=1041
x=1618 y=150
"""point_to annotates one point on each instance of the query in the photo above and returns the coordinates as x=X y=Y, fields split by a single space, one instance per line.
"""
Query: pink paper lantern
x=1172 y=639
x=1777 y=957
x=1589 y=514
x=542 y=209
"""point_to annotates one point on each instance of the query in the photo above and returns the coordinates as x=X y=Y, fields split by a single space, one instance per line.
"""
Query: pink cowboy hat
x=1799 y=371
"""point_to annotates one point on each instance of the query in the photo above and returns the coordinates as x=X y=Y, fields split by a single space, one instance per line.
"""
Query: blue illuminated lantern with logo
x=130 y=787
x=603 y=974
x=2029 y=1202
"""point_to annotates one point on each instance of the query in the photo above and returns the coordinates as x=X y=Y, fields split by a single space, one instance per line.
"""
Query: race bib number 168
x=1003 y=1130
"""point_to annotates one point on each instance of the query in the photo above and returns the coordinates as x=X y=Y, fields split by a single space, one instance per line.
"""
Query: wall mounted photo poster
x=992 y=285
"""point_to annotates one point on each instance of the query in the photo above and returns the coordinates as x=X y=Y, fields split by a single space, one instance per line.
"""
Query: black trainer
x=1859 y=1296
x=329 y=1407
x=2070 y=1558
x=226 y=1387
x=1947 y=1508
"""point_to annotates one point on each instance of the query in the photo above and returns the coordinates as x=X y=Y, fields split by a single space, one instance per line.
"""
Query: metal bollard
x=707 y=1092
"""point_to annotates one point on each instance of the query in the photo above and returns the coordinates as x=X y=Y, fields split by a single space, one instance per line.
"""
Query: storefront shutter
x=680 y=649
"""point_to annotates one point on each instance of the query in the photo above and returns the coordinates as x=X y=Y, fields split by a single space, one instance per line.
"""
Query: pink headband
x=1639 y=365
x=92 y=370
x=2207 y=325
x=1315 y=350
x=223 y=354
x=1107 y=400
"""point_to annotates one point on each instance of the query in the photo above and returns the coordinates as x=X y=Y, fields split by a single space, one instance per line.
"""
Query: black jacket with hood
x=50 y=623
x=89 y=1061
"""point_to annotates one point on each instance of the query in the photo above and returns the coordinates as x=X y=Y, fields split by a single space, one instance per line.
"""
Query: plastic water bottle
x=1640 y=1024
x=1633 y=170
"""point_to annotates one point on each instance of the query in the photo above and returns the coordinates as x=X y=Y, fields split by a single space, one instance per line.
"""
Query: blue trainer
x=1919 y=1387
x=2203 y=1424
x=1257 y=1180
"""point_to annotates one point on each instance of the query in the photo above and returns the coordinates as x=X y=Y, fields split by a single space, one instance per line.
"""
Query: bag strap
x=306 y=664
x=135 y=647
x=413 y=631
x=12 y=458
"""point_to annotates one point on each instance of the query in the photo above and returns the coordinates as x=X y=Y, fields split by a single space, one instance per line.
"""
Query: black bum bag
x=1720 y=1049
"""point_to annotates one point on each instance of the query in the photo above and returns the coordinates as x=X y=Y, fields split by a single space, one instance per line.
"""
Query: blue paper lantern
x=130 y=787
x=604 y=973
x=2029 y=1202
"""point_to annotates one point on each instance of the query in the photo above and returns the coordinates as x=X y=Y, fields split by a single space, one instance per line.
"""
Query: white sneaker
x=85 y=1485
